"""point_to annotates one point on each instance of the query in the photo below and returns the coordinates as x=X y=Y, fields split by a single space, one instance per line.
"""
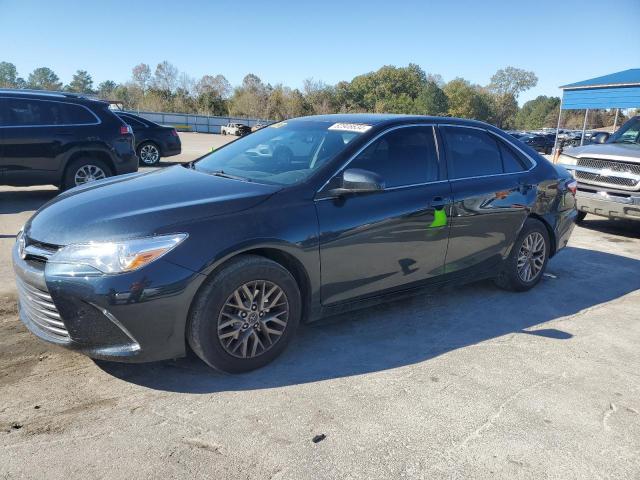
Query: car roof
x=381 y=119
x=50 y=95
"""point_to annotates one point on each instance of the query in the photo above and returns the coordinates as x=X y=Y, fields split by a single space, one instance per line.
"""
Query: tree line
x=390 y=89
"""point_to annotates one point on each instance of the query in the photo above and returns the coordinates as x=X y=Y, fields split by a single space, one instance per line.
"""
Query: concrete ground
x=467 y=383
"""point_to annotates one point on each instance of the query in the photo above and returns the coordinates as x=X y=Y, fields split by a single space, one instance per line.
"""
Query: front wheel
x=526 y=263
x=245 y=315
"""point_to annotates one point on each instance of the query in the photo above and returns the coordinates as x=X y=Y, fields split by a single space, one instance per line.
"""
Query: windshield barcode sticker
x=350 y=127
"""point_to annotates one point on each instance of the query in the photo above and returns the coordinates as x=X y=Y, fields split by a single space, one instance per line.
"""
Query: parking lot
x=474 y=382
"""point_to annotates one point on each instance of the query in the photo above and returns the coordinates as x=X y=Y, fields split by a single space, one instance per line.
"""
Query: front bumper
x=609 y=205
x=132 y=317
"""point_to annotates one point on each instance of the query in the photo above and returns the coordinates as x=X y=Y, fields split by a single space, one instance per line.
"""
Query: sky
x=562 y=41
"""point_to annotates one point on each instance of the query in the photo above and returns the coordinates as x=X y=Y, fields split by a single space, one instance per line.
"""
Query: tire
x=224 y=132
x=213 y=315
x=516 y=279
x=580 y=217
x=148 y=154
x=92 y=168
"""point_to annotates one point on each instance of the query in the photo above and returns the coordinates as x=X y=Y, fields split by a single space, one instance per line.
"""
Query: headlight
x=118 y=257
x=567 y=160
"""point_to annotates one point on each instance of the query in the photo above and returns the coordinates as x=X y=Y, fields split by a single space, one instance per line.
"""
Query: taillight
x=174 y=132
x=572 y=186
x=125 y=130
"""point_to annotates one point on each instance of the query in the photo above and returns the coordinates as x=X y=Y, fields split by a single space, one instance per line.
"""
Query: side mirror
x=355 y=180
x=600 y=137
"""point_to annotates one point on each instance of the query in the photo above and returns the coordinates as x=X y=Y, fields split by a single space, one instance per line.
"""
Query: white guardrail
x=194 y=123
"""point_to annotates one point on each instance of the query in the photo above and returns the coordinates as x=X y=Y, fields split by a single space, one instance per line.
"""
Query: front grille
x=38 y=307
x=629 y=178
x=608 y=180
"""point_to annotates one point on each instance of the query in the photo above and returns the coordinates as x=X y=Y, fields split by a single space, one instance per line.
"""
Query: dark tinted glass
x=471 y=152
x=404 y=156
x=511 y=161
x=22 y=112
x=25 y=112
x=132 y=121
x=76 y=114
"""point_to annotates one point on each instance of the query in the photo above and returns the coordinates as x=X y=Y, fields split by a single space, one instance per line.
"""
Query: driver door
x=389 y=239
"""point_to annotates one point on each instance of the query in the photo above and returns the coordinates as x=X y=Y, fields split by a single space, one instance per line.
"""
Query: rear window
x=132 y=121
x=476 y=153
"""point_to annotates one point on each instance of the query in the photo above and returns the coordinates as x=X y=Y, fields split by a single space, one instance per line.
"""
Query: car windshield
x=283 y=154
x=628 y=133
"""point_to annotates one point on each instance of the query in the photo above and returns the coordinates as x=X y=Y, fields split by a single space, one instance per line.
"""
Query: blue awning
x=617 y=90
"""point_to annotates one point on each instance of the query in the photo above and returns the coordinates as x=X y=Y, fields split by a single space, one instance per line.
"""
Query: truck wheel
x=84 y=170
x=526 y=263
x=245 y=315
x=580 y=217
x=224 y=132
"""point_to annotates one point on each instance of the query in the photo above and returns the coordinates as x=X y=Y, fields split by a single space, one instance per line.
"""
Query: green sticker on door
x=439 y=218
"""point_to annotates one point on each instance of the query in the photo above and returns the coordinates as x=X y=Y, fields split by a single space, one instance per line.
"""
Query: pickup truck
x=237 y=129
x=608 y=173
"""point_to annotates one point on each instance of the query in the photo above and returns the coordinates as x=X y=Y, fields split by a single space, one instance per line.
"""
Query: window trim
x=526 y=155
x=97 y=122
x=127 y=115
x=377 y=137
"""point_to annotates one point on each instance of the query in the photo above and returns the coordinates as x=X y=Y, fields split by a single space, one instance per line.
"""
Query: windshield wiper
x=223 y=174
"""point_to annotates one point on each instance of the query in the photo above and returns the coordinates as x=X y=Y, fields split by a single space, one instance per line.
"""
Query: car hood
x=625 y=152
x=141 y=204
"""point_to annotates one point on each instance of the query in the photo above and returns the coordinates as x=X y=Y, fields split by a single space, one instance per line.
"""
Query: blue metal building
x=616 y=90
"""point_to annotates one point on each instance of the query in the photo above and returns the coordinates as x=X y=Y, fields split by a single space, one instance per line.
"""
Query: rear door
x=489 y=197
x=38 y=136
x=389 y=239
x=3 y=123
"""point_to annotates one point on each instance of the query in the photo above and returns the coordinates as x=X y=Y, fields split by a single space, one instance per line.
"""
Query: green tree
x=81 y=82
x=466 y=101
x=535 y=113
x=511 y=80
x=106 y=89
x=8 y=75
x=506 y=85
x=44 y=78
x=431 y=100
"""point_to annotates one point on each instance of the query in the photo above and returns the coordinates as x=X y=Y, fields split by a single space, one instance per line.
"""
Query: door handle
x=439 y=202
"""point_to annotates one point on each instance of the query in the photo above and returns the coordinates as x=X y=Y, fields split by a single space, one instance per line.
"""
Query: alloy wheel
x=88 y=173
x=531 y=256
x=149 y=154
x=253 y=319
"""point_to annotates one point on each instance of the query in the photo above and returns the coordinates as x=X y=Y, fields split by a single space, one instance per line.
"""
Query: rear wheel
x=245 y=316
x=581 y=216
x=83 y=171
x=526 y=263
x=148 y=153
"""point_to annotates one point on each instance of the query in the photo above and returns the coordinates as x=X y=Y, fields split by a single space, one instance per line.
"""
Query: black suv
x=62 y=139
x=153 y=141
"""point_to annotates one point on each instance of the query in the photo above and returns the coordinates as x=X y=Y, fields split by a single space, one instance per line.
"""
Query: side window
x=404 y=156
x=76 y=115
x=22 y=112
x=511 y=160
x=471 y=152
x=132 y=121
x=3 y=112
